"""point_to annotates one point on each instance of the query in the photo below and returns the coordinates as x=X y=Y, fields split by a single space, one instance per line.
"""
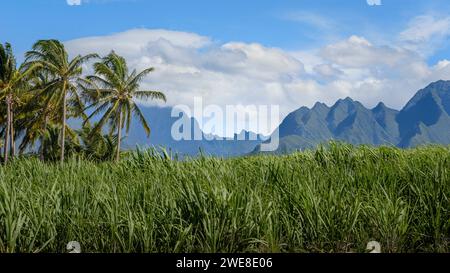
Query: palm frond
x=138 y=113
x=136 y=80
x=143 y=95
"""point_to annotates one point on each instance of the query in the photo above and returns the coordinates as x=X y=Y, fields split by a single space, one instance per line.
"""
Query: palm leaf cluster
x=50 y=88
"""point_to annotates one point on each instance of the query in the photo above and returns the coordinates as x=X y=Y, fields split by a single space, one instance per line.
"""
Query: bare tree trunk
x=63 y=130
x=13 y=139
x=119 y=136
x=42 y=148
x=8 y=123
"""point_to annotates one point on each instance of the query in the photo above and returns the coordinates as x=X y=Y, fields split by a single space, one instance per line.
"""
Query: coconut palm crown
x=114 y=92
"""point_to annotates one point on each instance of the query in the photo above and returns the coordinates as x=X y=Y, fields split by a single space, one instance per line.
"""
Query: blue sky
x=290 y=53
x=272 y=23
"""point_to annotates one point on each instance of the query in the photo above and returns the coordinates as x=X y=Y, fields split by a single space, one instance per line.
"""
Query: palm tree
x=53 y=58
x=50 y=142
x=41 y=118
x=40 y=112
x=7 y=67
x=96 y=146
x=113 y=91
x=13 y=83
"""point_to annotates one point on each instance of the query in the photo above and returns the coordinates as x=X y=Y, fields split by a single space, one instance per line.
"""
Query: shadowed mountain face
x=424 y=120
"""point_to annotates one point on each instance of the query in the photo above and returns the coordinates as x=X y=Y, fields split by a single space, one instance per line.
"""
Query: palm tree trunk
x=13 y=140
x=42 y=148
x=119 y=136
x=63 y=130
x=8 y=123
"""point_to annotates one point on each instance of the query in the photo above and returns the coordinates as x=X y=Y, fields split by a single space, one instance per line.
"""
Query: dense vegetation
x=40 y=95
x=333 y=199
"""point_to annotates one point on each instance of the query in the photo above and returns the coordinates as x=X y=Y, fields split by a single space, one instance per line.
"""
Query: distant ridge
x=425 y=119
x=161 y=121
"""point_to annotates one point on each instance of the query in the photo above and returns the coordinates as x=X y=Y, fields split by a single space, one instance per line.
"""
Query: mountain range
x=161 y=121
x=425 y=119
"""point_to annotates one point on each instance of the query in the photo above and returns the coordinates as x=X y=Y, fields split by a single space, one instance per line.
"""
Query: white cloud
x=73 y=2
x=189 y=65
x=425 y=33
x=374 y=2
x=80 y=2
x=442 y=64
x=328 y=71
x=312 y=19
x=136 y=40
x=358 y=52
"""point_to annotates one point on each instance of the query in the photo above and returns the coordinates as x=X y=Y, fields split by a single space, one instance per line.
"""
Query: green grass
x=333 y=199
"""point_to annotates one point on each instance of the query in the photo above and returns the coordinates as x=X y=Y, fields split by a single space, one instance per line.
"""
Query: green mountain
x=424 y=120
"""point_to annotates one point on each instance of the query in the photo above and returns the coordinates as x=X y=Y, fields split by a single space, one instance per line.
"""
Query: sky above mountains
x=290 y=53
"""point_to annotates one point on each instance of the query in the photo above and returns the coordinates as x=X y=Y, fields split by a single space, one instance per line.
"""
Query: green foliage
x=113 y=91
x=66 y=74
x=333 y=199
x=49 y=88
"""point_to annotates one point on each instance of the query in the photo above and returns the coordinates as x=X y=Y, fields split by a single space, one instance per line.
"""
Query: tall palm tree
x=39 y=110
x=113 y=91
x=53 y=58
x=7 y=67
x=13 y=82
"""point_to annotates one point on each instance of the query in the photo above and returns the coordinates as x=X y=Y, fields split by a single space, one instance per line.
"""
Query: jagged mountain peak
x=343 y=102
x=382 y=110
x=320 y=106
x=425 y=119
x=437 y=91
x=346 y=99
x=380 y=107
x=347 y=105
x=440 y=85
x=426 y=115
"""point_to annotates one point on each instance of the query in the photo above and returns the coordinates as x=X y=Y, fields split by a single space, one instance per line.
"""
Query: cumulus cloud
x=358 y=52
x=328 y=71
x=189 y=65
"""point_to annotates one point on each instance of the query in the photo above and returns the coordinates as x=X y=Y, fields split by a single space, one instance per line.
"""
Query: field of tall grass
x=333 y=199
